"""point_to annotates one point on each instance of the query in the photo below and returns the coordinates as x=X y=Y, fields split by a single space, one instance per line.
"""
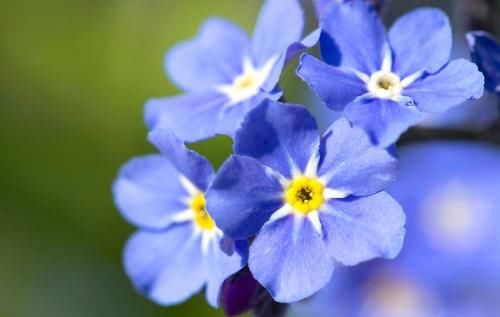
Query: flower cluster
x=292 y=203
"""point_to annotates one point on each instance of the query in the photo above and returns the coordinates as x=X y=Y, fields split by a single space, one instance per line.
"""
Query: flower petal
x=243 y=196
x=280 y=23
x=281 y=136
x=351 y=164
x=213 y=57
x=232 y=116
x=334 y=86
x=293 y=49
x=358 y=35
x=430 y=33
x=220 y=266
x=456 y=83
x=307 y=42
x=361 y=229
x=190 y=164
x=192 y=117
x=166 y=266
x=384 y=120
x=320 y=5
x=290 y=259
x=148 y=192
x=485 y=51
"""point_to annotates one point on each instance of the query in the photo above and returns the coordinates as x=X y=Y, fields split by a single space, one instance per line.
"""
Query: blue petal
x=361 y=229
x=281 y=136
x=290 y=259
x=309 y=41
x=190 y=164
x=166 y=266
x=334 y=86
x=384 y=120
x=438 y=181
x=219 y=266
x=148 y=192
x=192 y=117
x=231 y=117
x=292 y=51
x=358 y=34
x=280 y=23
x=456 y=83
x=198 y=116
x=352 y=164
x=486 y=54
x=430 y=33
x=213 y=57
x=320 y=5
x=243 y=196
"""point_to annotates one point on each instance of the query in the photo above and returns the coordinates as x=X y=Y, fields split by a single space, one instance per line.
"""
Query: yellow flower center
x=246 y=81
x=305 y=194
x=201 y=216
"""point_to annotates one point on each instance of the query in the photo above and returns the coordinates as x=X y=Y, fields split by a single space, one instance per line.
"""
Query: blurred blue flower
x=449 y=264
x=177 y=250
x=310 y=201
x=225 y=73
x=485 y=51
x=320 y=5
x=385 y=88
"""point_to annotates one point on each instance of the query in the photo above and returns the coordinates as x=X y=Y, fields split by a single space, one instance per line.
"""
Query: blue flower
x=225 y=73
x=310 y=201
x=449 y=265
x=485 y=51
x=384 y=84
x=320 y=5
x=177 y=250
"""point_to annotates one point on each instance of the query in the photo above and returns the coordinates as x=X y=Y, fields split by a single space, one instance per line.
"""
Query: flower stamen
x=385 y=85
x=201 y=217
x=305 y=194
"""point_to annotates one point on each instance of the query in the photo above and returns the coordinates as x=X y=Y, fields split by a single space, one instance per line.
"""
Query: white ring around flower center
x=385 y=85
x=247 y=84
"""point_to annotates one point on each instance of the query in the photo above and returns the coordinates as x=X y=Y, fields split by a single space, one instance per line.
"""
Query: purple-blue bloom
x=225 y=74
x=310 y=201
x=177 y=250
x=449 y=264
x=384 y=83
x=485 y=51
x=320 y=5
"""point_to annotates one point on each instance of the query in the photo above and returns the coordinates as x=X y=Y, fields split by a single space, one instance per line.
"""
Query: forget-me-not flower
x=177 y=250
x=485 y=51
x=449 y=265
x=385 y=83
x=311 y=201
x=225 y=74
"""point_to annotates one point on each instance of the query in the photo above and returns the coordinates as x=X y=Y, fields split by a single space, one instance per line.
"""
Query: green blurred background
x=73 y=79
x=74 y=75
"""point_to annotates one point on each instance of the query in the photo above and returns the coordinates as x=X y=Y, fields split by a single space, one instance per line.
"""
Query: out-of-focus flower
x=310 y=201
x=320 y=5
x=385 y=88
x=177 y=250
x=225 y=74
x=449 y=264
x=485 y=51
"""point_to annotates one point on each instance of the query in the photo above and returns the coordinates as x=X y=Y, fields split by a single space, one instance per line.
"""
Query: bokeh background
x=74 y=75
